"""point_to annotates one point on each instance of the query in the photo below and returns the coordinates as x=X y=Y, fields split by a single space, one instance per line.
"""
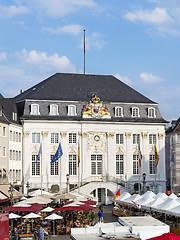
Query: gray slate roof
x=8 y=106
x=80 y=87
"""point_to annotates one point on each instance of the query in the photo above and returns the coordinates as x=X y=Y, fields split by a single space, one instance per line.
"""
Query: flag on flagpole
x=84 y=43
x=39 y=153
x=58 y=154
x=172 y=159
x=117 y=195
x=78 y=154
x=156 y=156
x=140 y=155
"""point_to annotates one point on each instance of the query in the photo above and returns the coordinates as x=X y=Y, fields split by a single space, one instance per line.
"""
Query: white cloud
x=155 y=16
x=73 y=29
x=12 y=11
x=93 y=41
x=150 y=78
x=3 y=56
x=42 y=61
x=60 y=8
x=124 y=79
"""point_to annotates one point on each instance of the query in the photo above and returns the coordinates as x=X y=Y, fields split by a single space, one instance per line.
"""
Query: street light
x=67 y=177
x=28 y=187
x=144 y=181
x=11 y=190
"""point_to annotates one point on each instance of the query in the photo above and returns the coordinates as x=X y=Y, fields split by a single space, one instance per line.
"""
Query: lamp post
x=11 y=190
x=144 y=181
x=28 y=187
x=67 y=177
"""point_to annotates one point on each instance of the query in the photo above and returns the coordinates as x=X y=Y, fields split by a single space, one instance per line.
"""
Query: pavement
x=107 y=216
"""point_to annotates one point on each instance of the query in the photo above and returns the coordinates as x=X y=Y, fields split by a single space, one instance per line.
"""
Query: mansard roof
x=175 y=128
x=8 y=106
x=80 y=87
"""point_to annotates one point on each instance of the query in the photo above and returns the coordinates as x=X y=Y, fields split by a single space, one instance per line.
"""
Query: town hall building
x=100 y=125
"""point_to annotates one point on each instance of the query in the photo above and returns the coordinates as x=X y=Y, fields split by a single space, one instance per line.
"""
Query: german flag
x=117 y=195
x=156 y=156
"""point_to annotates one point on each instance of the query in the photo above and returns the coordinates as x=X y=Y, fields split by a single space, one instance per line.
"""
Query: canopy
x=152 y=204
x=173 y=196
x=131 y=199
x=166 y=236
x=13 y=216
x=122 y=197
x=32 y=215
x=75 y=207
x=39 y=192
x=166 y=205
x=145 y=200
x=54 y=216
x=161 y=195
x=90 y=202
x=174 y=211
x=68 y=196
x=39 y=199
x=30 y=208
x=148 y=194
x=47 y=209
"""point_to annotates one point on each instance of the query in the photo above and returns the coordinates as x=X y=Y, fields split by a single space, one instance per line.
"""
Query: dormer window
x=14 y=116
x=72 y=110
x=151 y=112
x=135 y=112
x=118 y=111
x=53 y=110
x=0 y=111
x=35 y=109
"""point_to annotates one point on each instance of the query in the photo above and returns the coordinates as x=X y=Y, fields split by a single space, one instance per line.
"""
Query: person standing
x=100 y=214
x=41 y=233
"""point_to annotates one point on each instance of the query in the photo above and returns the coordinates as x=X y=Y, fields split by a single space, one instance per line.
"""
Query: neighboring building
x=103 y=120
x=173 y=156
x=10 y=143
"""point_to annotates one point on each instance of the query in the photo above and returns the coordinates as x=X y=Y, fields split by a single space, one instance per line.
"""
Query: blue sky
x=134 y=40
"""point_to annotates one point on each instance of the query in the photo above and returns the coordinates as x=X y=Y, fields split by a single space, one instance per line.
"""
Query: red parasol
x=166 y=236
x=82 y=207
x=32 y=208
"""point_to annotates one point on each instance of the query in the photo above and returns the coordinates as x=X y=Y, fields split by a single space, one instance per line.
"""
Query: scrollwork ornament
x=44 y=133
x=64 y=134
x=110 y=134
x=26 y=133
x=144 y=134
x=161 y=135
x=128 y=134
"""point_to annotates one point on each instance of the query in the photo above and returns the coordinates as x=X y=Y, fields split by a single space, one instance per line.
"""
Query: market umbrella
x=13 y=216
x=47 y=209
x=54 y=217
x=68 y=196
x=166 y=236
x=68 y=207
x=32 y=215
x=23 y=208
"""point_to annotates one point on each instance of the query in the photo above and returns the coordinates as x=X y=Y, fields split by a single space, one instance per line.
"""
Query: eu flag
x=39 y=153
x=58 y=154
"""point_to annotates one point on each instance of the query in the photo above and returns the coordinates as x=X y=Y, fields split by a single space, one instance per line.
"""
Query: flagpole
x=155 y=168
x=84 y=50
x=41 y=169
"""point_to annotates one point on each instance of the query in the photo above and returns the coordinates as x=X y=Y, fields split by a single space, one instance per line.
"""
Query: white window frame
x=54 y=167
x=151 y=164
x=135 y=112
x=1 y=112
x=72 y=138
x=135 y=164
x=54 y=138
x=4 y=131
x=14 y=116
x=35 y=109
x=72 y=110
x=152 y=139
x=72 y=164
x=151 y=112
x=54 y=110
x=119 y=164
x=119 y=112
x=35 y=171
x=96 y=164
x=35 y=137
x=119 y=138
x=4 y=151
x=136 y=138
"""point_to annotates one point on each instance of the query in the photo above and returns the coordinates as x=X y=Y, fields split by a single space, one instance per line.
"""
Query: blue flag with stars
x=39 y=153
x=58 y=154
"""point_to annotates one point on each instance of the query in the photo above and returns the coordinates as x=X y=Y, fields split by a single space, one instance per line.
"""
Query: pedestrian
x=100 y=214
x=41 y=233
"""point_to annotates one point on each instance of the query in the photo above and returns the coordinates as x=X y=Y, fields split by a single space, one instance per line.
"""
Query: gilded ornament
x=45 y=133
x=160 y=135
x=128 y=134
x=26 y=133
x=144 y=134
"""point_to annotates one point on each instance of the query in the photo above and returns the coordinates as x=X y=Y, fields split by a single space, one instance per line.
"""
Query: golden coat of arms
x=95 y=109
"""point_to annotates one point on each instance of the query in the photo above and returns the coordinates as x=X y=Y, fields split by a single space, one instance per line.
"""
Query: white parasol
x=54 y=216
x=47 y=209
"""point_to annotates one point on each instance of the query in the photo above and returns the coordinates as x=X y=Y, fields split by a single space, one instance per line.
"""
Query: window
x=71 y=110
x=14 y=155
x=54 y=137
x=72 y=165
x=118 y=111
x=19 y=155
x=152 y=138
x=54 y=167
x=135 y=164
x=151 y=113
x=119 y=164
x=119 y=139
x=19 y=137
x=11 y=136
x=4 y=131
x=10 y=154
x=35 y=109
x=135 y=112
x=96 y=164
x=72 y=138
x=4 y=151
x=136 y=138
x=151 y=164
x=14 y=116
x=35 y=166
x=0 y=111
x=54 y=110
x=35 y=137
